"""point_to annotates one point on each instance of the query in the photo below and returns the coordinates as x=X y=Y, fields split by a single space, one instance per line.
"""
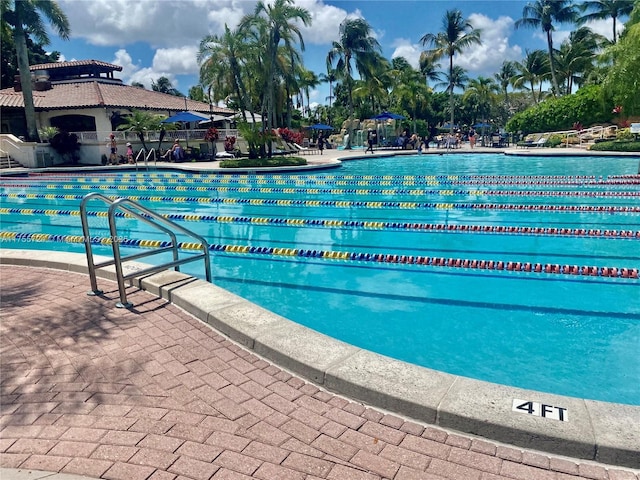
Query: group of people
x=175 y=154
x=112 y=148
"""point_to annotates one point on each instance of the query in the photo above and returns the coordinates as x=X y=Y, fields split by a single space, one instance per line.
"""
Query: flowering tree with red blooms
x=577 y=126
x=291 y=136
x=212 y=135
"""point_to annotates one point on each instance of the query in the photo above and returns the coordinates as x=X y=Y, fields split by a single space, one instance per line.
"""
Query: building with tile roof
x=85 y=96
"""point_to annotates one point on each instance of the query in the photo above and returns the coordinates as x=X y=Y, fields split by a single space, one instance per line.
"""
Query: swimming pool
x=428 y=259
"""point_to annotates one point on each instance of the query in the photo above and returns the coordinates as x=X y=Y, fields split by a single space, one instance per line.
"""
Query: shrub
x=616 y=146
x=554 y=140
x=624 y=134
x=586 y=107
x=263 y=162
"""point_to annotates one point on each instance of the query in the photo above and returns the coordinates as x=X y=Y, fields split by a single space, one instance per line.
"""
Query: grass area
x=263 y=162
x=617 y=146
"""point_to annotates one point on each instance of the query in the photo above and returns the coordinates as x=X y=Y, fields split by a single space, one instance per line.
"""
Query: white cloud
x=486 y=59
x=410 y=51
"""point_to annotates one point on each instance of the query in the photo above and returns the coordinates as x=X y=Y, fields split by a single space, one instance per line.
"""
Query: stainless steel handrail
x=149 y=217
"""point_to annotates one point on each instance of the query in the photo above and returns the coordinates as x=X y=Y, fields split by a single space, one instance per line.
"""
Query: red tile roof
x=90 y=94
x=76 y=63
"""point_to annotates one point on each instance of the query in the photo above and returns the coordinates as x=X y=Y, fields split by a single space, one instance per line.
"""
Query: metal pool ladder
x=149 y=217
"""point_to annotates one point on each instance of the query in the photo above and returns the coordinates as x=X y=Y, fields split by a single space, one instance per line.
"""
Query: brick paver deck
x=153 y=393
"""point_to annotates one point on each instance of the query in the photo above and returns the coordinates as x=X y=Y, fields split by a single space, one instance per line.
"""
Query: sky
x=154 y=38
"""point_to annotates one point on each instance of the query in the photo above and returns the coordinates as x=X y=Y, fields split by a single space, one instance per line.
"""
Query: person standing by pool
x=472 y=137
x=130 y=158
x=371 y=139
x=321 y=141
x=113 y=150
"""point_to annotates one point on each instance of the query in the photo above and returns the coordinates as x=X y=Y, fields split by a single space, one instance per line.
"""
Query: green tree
x=542 y=14
x=27 y=17
x=577 y=55
x=354 y=46
x=8 y=60
x=533 y=70
x=164 y=85
x=279 y=22
x=429 y=68
x=505 y=78
x=622 y=82
x=457 y=34
x=141 y=122
x=221 y=59
x=603 y=9
x=482 y=92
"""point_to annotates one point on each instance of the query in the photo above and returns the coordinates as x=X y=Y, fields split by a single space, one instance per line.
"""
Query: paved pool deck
x=195 y=382
x=155 y=393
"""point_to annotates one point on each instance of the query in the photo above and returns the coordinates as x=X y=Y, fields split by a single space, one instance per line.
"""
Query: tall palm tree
x=26 y=16
x=457 y=35
x=577 y=55
x=542 y=13
x=504 y=78
x=532 y=70
x=281 y=18
x=603 y=9
x=308 y=80
x=330 y=77
x=482 y=90
x=355 y=45
x=220 y=58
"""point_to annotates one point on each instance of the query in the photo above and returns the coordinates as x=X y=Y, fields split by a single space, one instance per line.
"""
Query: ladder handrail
x=149 y=217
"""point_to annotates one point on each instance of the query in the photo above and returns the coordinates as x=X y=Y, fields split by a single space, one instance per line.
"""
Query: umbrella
x=481 y=125
x=186 y=117
x=320 y=126
x=388 y=116
x=448 y=125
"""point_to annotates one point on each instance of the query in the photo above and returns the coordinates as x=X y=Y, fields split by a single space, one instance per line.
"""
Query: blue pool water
x=570 y=334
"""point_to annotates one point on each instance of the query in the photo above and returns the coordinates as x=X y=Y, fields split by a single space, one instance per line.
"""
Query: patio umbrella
x=481 y=125
x=448 y=125
x=320 y=126
x=388 y=116
x=186 y=117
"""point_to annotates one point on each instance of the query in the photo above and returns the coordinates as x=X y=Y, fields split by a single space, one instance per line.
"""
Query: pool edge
x=597 y=431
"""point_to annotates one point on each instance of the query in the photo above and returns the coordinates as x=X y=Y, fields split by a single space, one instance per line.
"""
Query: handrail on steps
x=146 y=156
x=149 y=217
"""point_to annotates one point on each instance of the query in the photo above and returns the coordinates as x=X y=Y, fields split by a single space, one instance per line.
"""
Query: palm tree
x=141 y=122
x=281 y=21
x=457 y=35
x=329 y=78
x=532 y=70
x=220 y=58
x=504 y=77
x=457 y=78
x=577 y=55
x=542 y=13
x=429 y=68
x=26 y=16
x=355 y=44
x=603 y=9
x=308 y=80
x=482 y=91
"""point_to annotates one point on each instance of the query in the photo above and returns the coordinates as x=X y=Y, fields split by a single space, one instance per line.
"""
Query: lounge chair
x=306 y=150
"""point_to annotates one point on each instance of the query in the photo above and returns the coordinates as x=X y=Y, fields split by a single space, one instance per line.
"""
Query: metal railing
x=149 y=217
x=150 y=154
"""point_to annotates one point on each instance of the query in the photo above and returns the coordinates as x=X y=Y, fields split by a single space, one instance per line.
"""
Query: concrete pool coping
x=593 y=430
